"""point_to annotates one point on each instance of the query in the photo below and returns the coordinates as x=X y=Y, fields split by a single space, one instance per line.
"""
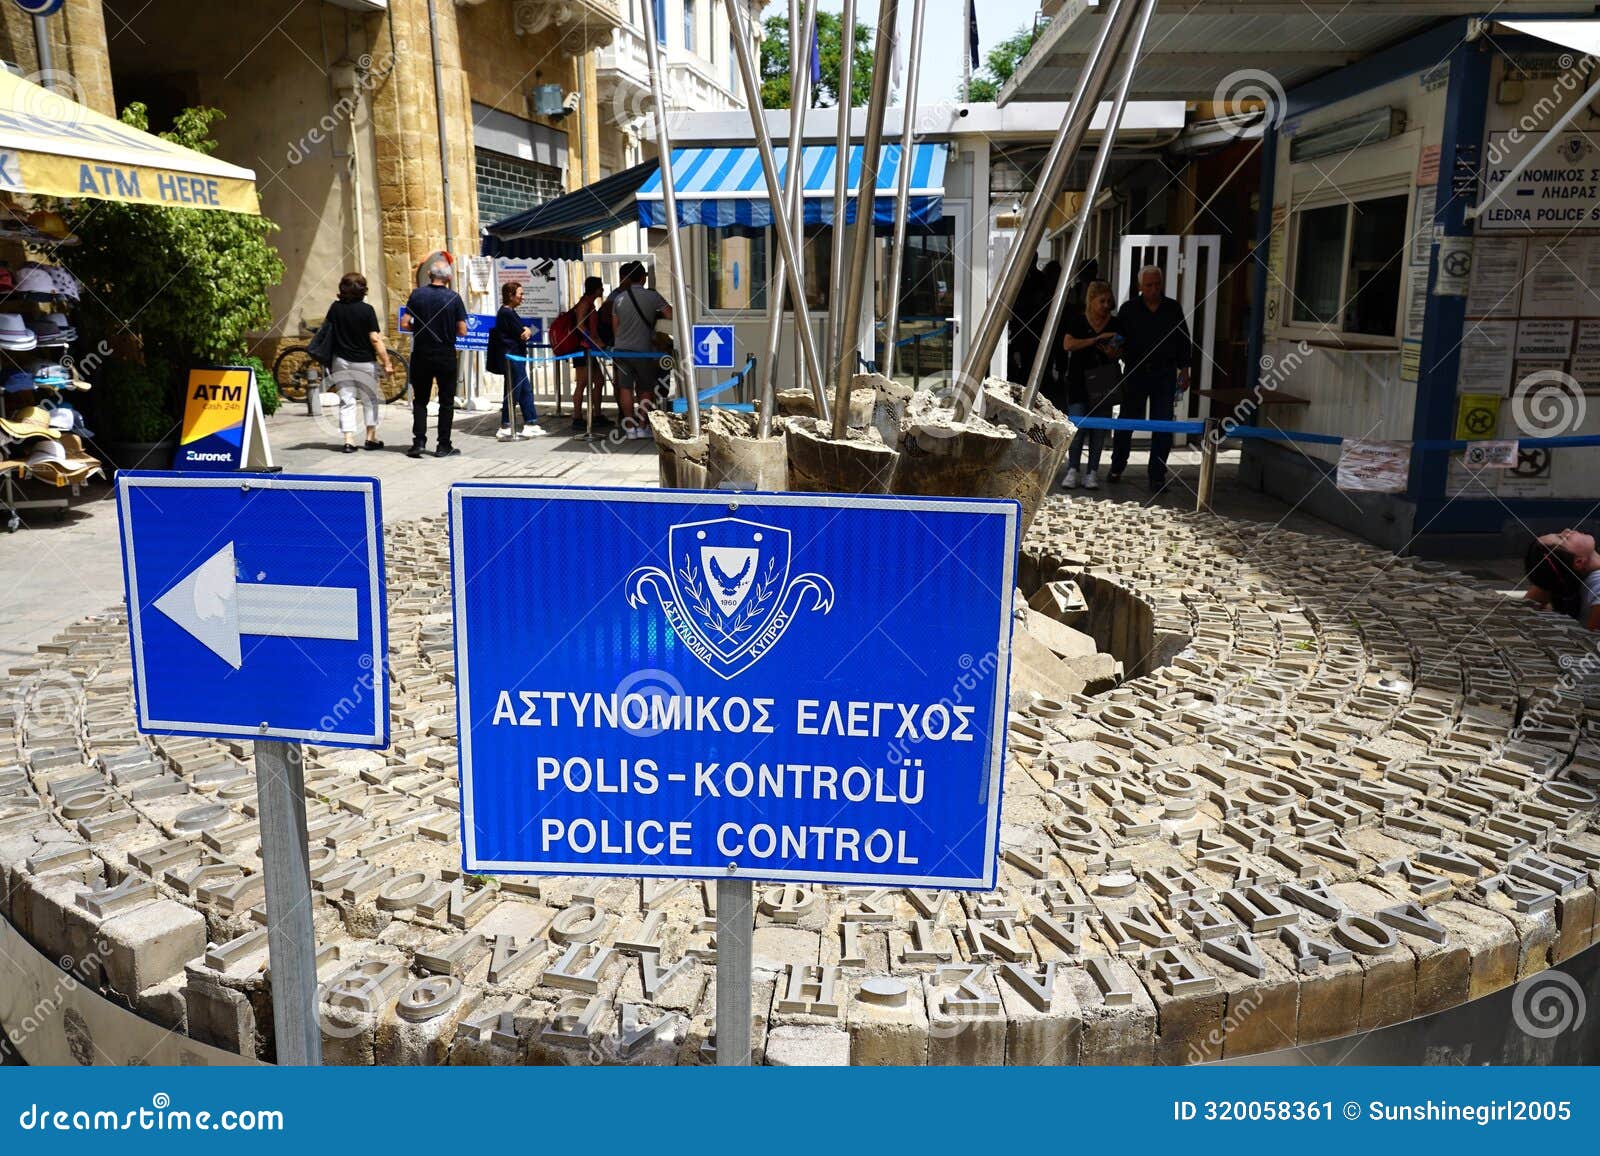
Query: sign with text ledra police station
x=773 y=686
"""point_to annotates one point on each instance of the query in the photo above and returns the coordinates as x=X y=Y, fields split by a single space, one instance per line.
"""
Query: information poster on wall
x=1422 y=223
x=1487 y=356
x=1469 y=479
x=1559 y=190
x=1374 y=467
x=1496 y=277
x=1544 y=338
x=540 y=281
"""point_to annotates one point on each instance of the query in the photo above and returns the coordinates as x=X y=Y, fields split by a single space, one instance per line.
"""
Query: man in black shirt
x=435 y=316
x=1156 y=361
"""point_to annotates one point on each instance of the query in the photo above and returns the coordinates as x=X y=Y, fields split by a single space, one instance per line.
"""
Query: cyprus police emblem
x=729 y=595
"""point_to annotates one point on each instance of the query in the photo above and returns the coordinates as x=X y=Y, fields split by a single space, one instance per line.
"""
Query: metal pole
x=865 y=234
x=799 y=101
x=41 y=41
x=669 y=204
x=1091 y=82
x=780 y=220
x=286 y=864
x=841 y=174
x=902 y=197
x=1208 y=465
x=444 y=140
x=802 y=21
x=735 y=924
x=966 y=51
x=1080 y=227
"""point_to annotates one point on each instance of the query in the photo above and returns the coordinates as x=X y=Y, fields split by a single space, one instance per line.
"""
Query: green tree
x=830 y=27
x=189 y=285
x=1001 y=62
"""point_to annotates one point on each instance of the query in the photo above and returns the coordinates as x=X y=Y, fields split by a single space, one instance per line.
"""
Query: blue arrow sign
x=255 y=606
x=713 y=346
x=792 y=686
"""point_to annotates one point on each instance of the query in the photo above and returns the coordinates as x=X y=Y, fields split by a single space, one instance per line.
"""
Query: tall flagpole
x=966 y=51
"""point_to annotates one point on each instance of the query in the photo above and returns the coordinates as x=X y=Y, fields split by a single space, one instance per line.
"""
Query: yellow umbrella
x=52 y=146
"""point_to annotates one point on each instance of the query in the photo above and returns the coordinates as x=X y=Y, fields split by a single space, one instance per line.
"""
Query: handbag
x=321 y=345
x=1102 y=384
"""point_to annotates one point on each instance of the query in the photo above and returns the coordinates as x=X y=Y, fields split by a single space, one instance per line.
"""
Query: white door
x=1190 y=264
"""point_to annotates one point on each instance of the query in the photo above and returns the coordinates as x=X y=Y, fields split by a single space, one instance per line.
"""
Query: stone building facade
x=382 y=131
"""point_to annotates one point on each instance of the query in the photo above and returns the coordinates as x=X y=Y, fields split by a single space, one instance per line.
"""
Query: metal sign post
x=286 y=864
x=745 y=742
x=736 y=920
x=256 y=612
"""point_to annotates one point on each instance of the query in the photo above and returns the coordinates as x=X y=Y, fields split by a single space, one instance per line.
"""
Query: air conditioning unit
x=549 y=100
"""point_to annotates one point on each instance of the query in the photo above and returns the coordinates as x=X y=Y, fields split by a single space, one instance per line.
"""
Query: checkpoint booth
x=964 y=194
x=1419 y=256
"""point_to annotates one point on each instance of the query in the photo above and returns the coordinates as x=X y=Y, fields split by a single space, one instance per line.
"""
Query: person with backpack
x=635 y=309
x=579 y=330
x=508 y=350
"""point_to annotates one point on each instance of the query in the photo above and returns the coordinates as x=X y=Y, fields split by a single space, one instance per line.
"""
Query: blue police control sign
x=673 y=683
x=713 y=346
x=476 y=338
x=256 y=606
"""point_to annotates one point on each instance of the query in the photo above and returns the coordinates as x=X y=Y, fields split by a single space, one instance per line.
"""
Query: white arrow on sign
x=210 y=604
x=711 y=346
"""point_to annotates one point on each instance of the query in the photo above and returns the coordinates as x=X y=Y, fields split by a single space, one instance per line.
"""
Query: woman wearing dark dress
x=507 y=355
x=1091 y=344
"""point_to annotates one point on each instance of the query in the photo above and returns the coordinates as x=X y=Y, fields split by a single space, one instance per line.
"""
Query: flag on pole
x=816 y=59
x=972 y=35
x=896 y=74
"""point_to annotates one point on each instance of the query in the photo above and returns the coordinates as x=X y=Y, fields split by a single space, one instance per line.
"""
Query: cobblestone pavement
x=1335 y=791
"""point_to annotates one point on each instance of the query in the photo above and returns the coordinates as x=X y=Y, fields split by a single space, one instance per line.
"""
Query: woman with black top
x=357 y=348
x=510 y=336
x=1093 y=373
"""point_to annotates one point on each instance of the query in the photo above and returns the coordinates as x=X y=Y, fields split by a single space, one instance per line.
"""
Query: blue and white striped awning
x=724 y=186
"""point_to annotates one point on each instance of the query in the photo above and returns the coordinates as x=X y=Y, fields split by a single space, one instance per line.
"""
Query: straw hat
x=31 y=421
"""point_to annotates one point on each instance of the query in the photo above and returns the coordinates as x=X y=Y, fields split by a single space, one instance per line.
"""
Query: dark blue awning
x=557 y=229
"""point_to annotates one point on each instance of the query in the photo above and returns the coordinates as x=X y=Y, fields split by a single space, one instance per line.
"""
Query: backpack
x=563 y=334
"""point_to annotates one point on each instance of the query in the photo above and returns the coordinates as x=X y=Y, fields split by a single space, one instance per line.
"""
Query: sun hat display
x=66 y=284
x=36 y=283
x=15 y=334
x=47 y=451
x=50 y=329
x=19 y=381
x=52 y=376
x=54 y=226
x=31 y=421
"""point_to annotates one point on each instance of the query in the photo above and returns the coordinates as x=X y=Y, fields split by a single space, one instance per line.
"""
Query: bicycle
x=295 y=369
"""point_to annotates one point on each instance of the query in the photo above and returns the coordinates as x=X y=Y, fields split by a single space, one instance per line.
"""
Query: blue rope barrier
x=1172 y=427
x=598 y=354
x=1269 y=433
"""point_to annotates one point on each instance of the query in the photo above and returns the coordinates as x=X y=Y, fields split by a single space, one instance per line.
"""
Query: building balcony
x=578 y=25
x=624 y=75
